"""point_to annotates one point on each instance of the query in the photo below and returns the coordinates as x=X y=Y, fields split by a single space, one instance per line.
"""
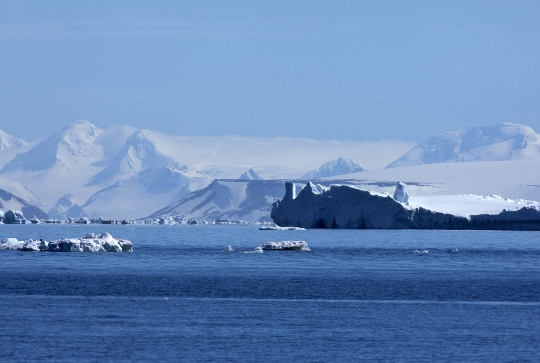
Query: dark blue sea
x=358 y=295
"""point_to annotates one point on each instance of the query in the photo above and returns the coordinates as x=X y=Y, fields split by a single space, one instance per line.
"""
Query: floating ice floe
x=256 y=250
x=286 y=245
x=278 y=228
x=101 y=243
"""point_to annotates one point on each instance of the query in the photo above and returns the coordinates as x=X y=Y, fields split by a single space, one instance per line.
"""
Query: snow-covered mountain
x=505 y=141
x=145 y=192
x=10 y=201
x=250 y=175
x=10 y=146
x=140 y=151
x=235 y=199
x=340 y=166
x=63 y=163
x=68 y=206
x=8 y=142
x=20 y=190
x=246 y=200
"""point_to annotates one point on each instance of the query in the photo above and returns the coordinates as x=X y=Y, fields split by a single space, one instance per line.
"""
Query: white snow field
x=342 y=206
x=519 y=179
x=101 y=243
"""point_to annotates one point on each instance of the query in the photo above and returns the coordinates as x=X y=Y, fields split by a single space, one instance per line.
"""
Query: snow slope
x=10 y=201
x=505 y=141
x=66 y=207
x=64 y=162
x=145 y=192
x=141 y=151
x=340 y=166
x=8 y=142
x=246 y=200
x=10 y=146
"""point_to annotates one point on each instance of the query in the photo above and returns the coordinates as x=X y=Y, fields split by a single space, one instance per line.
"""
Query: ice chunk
x=14 y=217
x=229 y=249
x=286 y=245
x=256 y=250
x=10 y=244
x=278 y=228
x=102 y=243
x=401 y=194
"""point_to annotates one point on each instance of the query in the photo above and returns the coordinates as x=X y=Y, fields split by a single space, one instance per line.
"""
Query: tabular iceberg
x=342 y=206
x=102 y=243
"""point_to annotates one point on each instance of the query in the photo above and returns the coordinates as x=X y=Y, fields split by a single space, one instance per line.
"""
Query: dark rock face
x=351 y=208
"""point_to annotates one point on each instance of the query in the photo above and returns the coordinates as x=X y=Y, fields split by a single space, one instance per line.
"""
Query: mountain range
x=124 y=172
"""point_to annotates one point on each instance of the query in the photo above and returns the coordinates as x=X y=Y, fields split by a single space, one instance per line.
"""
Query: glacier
x=344 y=206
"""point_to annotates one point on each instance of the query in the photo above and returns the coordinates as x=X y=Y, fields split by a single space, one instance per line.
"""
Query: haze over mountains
x=124 y=172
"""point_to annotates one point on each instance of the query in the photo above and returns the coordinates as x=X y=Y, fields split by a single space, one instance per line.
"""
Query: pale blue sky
x=361 y=70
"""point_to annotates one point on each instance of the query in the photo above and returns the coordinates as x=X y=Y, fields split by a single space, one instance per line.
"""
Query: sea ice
x=286 y=245
x=256 y=250
x=278 y=228
x=102 y=243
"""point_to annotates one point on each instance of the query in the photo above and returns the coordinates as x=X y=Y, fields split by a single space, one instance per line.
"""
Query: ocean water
x=358 y=295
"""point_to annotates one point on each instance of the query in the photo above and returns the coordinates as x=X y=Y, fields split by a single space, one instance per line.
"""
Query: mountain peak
x=139 y=152
x=76 y=140
x=339 y=166
x=250 y=175
x=505 y=141
x=8 y=142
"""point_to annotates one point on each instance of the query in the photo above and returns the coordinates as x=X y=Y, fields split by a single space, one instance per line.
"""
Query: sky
x=347 y=70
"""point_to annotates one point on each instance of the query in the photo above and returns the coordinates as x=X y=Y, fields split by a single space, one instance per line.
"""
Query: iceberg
x=401 y=194
x=278 y=228
x=14 y=217
x=286 y=245
x=101 y=243
x=343 y=206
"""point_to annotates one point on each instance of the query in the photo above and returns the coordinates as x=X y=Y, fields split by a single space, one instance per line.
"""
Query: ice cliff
x=342 y=206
